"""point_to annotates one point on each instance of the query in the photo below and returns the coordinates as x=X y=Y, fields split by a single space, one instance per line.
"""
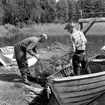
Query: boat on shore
x=82 y=89
x=78 y=90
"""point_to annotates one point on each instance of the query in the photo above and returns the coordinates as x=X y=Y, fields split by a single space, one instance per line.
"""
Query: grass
x=49 y=29
x=58 y=29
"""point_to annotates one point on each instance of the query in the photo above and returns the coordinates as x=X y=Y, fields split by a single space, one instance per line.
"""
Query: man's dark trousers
x=79 y=58
x=20 y=55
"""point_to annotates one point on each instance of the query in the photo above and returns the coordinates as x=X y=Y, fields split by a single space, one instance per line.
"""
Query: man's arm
x=83 y=37
x=72 y=44
x=31 y=51
x=35 y=49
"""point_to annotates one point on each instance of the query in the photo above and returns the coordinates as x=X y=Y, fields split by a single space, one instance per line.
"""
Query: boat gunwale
x=79 y=77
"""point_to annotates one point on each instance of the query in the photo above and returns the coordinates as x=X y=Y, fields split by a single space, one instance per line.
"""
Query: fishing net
x=43 y=70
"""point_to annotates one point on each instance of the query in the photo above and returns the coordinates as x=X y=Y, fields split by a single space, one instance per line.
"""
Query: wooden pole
x=70 y=53
x=88 y=26
x=80 y=11
x=81 y=24
x=59 y=58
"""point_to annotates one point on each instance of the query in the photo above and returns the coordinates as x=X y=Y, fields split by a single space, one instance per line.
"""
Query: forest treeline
x=49 y=11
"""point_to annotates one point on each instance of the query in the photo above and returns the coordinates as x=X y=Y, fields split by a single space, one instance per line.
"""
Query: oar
x=61 y=57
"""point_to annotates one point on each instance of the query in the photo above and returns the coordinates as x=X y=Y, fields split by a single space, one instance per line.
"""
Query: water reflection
x=94 y=46
x=96 y=43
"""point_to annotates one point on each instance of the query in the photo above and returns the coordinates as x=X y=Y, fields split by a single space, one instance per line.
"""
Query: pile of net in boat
x=43 y=70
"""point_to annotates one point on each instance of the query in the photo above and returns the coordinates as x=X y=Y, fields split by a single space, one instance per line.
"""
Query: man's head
x=43 y=37
x=69 y=27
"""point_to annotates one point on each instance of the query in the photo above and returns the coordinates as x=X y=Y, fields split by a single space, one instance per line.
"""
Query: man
x=78 y=42
x=27 y=45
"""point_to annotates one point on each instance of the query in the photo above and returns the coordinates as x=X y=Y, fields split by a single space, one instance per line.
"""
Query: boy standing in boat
x=78 y=42
x=27 y=45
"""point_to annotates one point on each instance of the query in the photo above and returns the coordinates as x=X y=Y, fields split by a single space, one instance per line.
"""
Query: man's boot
x=25 y=80
x=24 y=76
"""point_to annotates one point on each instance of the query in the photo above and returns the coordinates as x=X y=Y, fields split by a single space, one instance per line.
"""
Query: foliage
x=93 y=7
x=48 y=11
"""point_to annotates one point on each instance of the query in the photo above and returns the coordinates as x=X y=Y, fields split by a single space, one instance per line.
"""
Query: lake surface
x=94 y=46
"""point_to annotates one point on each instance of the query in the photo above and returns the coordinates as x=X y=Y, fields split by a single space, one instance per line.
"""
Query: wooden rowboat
x=78 y=90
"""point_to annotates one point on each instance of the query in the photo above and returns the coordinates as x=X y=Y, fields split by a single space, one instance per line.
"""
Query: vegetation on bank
x=49 y=29
x=20 y=12
x=13 y=34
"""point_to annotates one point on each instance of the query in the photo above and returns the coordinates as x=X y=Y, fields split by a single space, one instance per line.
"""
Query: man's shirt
x=79 y=40
x=30 y=44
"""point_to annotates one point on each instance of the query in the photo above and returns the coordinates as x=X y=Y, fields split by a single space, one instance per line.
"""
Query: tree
x=72 y=9
x=62 y=11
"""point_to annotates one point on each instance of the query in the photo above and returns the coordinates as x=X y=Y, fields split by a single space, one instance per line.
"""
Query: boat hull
x=77 y=90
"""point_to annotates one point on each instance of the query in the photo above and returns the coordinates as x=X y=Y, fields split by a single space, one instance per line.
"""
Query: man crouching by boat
x=78 y=42
x=23 y=47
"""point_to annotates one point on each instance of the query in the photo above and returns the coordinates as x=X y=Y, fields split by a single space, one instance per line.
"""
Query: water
x=94 y=46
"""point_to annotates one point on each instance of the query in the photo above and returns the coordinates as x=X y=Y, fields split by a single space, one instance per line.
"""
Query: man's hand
x=37 y=56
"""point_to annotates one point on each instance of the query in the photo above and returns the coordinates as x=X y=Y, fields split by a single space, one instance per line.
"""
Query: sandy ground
x=12 y=90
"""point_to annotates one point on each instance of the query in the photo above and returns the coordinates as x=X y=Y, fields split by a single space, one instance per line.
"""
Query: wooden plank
x=88 y=26
x=78 y=99
x=53 y=100
x=80 y=93
x=50 y=83
x=60 y=96
x=78 y=103
x=87 y=20
x=81 y=77
x=79 y=81
x=80 y=87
